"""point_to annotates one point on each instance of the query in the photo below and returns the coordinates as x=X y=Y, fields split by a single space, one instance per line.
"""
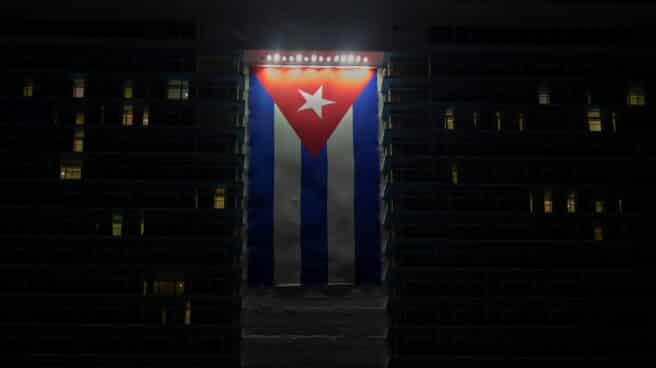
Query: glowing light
x=350 y=58
x=291 y=58
x=343 y=58
x=299 y=57
x=357 y=59
x=305 y=59
x=328 y=59
x=276 y=57
x=268 y=57
x=313 y=58
x=365 y=59
x=284 y=58
x=321 y=59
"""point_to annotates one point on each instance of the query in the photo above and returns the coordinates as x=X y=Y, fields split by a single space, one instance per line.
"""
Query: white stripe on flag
x=286 y=202
x=340 y=197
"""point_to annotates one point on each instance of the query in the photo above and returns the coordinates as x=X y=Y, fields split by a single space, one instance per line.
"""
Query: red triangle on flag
x=313 y=100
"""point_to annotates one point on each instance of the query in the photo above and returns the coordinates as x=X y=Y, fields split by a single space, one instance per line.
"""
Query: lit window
x=598 y=232
x=599 y=206
x=78 y=88
x=177 y=90
x=28 y=88
x=571 y=202
x=70 y=170
x=219 y=198
x=187 y=316
x=117 y=225
x=79 y=118
x=544 y=96
x=548 y=202
x=636 y=96
x=498 y=115
x=521 y=121
x=475 y=119
x=168 y=288
x=454 y=173
x=145 y=117
x=128 y=115
x=594 y=120
x=449 y=120
x=78 y=140
x=127 y=90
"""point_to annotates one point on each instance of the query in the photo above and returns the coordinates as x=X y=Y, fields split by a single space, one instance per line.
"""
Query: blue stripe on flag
x=367 y=181
x=260 y=185
x=314 y=238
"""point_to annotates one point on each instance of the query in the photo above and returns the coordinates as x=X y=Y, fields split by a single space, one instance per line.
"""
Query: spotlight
x=299 y=57
x=284 y=58
x=291 y=58
x=365 y=59
x=268 y=57
x=276 y=57
x=321 y=59
x=313 y=58
x=358 y=58
x=328 y=59
x=305 y=59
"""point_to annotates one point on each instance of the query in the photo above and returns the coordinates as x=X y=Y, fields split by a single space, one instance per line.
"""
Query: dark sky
x=342 y=23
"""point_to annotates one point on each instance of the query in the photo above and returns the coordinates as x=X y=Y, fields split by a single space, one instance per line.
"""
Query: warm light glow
x=351 y=58
x=313 y=58
x=305 y=59
x=328 y=59
x=268 y=57
x=365 y=59
x=276 y=57
x=358 y=58
x=321 y=59
x=299 y=57
x=291 y=58
x=284 y=58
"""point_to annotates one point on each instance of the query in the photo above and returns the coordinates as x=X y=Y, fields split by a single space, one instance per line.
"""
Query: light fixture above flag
x=313 y=58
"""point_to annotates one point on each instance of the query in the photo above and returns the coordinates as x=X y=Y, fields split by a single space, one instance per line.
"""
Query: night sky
x=343 y=24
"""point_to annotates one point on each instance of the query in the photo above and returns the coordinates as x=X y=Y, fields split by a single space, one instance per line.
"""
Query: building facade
x=516 y=169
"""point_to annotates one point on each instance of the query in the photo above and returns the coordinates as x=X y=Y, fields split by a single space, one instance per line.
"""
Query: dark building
x=517 y=173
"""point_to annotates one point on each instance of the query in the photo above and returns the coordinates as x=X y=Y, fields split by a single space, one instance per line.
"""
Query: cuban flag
x=313 y=176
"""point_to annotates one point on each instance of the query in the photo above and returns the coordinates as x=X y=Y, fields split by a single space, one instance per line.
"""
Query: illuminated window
x=599 y=206
x=598 y=232
x=78 y=140
x=571 y=202
x=177 y=90
x=168 y=287
x=521 y=121
x=128 y=90
x=548 y=202
x=78 y=88
x=128 y=115
x=70 y=170
x=594 y=120
x=28 y=88
x=544 y=96
x=475 y=119
x=187 y=316
x=449 y=119
x=145 y=118
x=454 y=173
x=79 y=118
x=498 y=115
x=117 y=225
x=636 y=96
x=219 y=198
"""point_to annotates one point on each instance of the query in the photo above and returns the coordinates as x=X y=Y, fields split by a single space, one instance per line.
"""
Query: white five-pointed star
x=316 y=102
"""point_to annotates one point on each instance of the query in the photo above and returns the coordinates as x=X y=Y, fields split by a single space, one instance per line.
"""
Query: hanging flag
x=313 y=176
